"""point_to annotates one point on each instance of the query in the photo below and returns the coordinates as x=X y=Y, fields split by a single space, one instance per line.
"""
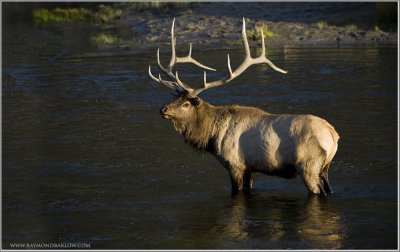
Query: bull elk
x=247 y=139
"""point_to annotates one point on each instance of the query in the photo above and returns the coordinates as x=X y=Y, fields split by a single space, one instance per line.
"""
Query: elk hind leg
x=310 y=173
x=325 y=180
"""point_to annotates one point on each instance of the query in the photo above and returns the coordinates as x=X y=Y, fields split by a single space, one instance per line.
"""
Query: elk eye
x=186 y=104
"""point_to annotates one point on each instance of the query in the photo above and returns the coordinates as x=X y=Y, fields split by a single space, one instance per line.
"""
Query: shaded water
x=87 y=158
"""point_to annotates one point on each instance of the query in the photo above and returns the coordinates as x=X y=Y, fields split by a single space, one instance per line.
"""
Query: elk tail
x=332 y=131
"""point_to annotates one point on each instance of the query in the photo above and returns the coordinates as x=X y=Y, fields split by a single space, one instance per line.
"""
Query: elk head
x=188 y=102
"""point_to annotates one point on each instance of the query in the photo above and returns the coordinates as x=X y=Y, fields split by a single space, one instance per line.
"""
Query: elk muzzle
x=163 y=112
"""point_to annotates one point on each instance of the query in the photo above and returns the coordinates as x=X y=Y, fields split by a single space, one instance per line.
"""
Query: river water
x=88 y=159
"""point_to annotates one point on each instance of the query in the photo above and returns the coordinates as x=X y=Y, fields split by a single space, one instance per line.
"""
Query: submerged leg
x=324 y=178
x=248 y=180
x=321 y=188
x=327 y=186
x=310 y=173
x=236 y=176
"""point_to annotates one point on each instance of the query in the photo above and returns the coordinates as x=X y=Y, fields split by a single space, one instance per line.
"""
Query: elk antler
x=247 y=62
x=177 y=84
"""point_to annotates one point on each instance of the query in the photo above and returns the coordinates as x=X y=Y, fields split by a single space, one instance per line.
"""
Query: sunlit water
x=87 y=158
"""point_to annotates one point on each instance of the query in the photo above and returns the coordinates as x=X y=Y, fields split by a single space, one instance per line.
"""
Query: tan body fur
x=247 y=140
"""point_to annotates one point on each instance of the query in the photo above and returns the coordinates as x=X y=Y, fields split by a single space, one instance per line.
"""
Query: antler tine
x=151 y=75
x=247 y=62
x=173 y=52
x=166 y=71
x=173 y=61
x=183 y=85
x=262 y=42
x=245 y=41
x=189 y=59
x=169 y=84
x=229 y=67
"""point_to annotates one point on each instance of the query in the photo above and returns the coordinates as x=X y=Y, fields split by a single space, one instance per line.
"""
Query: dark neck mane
x=200 y=131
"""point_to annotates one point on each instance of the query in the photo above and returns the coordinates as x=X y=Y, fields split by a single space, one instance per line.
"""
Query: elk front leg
x=248 y=180
x=236 y=176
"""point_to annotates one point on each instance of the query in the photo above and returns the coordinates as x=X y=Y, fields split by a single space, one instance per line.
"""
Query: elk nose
x=163 y=110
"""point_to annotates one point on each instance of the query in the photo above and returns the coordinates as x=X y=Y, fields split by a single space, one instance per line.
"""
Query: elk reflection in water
x=311 y=220
x=321 y=224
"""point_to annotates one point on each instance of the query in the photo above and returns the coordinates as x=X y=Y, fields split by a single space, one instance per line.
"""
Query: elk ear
x=195 y=101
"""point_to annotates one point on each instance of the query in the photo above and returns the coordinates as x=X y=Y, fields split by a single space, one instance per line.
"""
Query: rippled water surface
x=87 y=158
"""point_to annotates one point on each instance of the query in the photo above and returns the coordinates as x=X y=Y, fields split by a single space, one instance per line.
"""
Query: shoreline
x=213 y=25
x=219 y=24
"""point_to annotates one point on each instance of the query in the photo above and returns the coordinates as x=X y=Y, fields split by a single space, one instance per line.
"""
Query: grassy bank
x=103 y=14
x=217 y=23
x=104 y=40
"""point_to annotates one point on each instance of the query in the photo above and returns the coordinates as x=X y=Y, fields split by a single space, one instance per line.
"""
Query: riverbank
x=294 y=24
x=216 y=25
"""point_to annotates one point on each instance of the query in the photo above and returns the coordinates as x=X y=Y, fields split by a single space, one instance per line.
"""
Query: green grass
x=103 y=39
x=143 y=6
x=104 y=14
x=321 y=25
x=351 y=27
x=107 y=14
x=255 y=34
x=61 y=15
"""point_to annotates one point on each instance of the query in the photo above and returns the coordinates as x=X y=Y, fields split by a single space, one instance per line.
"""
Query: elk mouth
x=164 y=113
x=166 y=116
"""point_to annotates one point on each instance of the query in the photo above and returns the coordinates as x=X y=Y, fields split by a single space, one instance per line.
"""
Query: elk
x=247 y=139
